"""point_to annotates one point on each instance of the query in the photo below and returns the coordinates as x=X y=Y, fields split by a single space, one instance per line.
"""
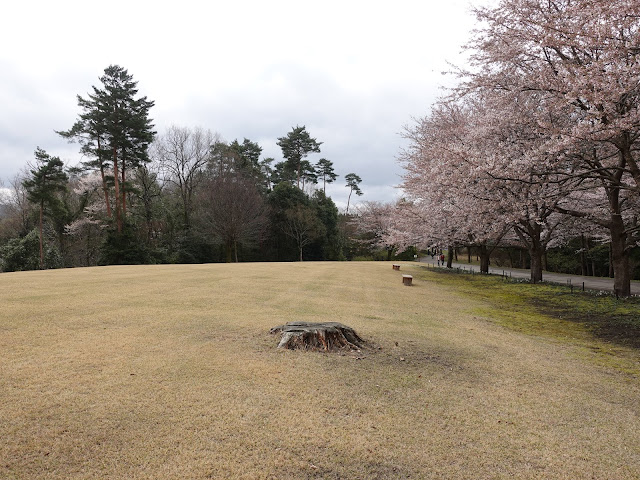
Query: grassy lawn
x=169 y=372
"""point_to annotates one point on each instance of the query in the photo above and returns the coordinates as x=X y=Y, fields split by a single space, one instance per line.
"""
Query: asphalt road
x=590 y=283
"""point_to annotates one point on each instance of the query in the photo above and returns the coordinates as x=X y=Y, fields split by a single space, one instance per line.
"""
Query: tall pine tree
x=353 y=182
x=324 y=170
x=46 y=181
x=115 y=127
x=295 y=148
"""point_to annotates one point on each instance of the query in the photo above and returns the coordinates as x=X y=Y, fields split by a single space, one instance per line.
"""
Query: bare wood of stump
x=324 y=336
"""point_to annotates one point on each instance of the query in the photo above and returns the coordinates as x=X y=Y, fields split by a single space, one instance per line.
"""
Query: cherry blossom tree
x=86 y=230
x=581 y=55
x=448 y=196
x=377 y=224
x=507 y=150
x=580 y=59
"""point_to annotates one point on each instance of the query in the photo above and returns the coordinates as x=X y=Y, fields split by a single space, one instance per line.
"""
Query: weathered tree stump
x=325 y=336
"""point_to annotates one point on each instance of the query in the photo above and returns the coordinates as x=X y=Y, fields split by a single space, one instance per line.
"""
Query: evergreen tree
x=46 y=181
x=295 y=147
x=222 y=159
x=284 y=198
x=20 y=254
x=324 y=170
x=328 y=246
x=308 y=174
x=267 y=173
x=89 y=132
x=247 y=156
x=281 y=174
x=115 y=127
x=353 y=182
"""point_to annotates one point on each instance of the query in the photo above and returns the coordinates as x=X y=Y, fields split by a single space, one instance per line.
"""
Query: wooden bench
x=407 y=280
x=396 y=266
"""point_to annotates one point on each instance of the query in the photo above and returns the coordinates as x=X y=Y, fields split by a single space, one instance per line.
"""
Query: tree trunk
x=484 y=258
x=531 y=235
x=104 y=182
x=187 y=216
x=583 y=256
x=326 y=336
x=618 y=246
x=148 y=216
x=228 y=251
x=620 y=258
x=535 y=252
x=41 y=241
x=116 y=184
x=450 y=257
x=88 y=247
x=124 y=197
x=63 y=247
x=301 y=254
x=469 y=254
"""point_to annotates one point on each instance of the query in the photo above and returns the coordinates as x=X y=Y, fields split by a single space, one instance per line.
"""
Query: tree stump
x=325 y=336
x=396 y=266
x=407 y=280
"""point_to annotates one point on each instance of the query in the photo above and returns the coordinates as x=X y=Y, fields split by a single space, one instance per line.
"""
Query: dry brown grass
x=169 y=372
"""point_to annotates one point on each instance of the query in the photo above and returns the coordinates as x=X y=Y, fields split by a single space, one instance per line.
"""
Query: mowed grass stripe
x=169 y=372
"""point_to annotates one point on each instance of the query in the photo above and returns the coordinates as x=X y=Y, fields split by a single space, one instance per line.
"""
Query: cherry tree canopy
x=545 y=123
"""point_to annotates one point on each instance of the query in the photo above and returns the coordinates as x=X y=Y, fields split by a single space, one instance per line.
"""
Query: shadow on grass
x=600 y=313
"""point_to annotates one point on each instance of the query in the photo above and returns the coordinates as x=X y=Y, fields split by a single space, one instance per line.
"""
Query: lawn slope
x=169 y=372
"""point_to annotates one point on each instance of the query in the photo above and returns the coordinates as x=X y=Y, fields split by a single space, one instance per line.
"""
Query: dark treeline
x=181 y=196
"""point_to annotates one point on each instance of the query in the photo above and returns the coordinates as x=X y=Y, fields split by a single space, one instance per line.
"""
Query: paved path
x=590 y=283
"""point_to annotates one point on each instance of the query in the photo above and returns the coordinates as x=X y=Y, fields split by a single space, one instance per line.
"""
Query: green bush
x=407 y=255
x=21 y=253
x=123 y=248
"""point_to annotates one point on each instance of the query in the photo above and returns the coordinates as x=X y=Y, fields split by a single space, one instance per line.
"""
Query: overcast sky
x=352 y=72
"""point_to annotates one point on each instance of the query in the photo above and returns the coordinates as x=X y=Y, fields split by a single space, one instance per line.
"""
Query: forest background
x=183 y=196
x=529 y=160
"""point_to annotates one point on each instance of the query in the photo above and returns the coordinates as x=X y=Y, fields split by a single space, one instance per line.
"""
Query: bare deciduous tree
x=183 y=154
x=16 y=209
x=233 y=211
x=303 y=226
